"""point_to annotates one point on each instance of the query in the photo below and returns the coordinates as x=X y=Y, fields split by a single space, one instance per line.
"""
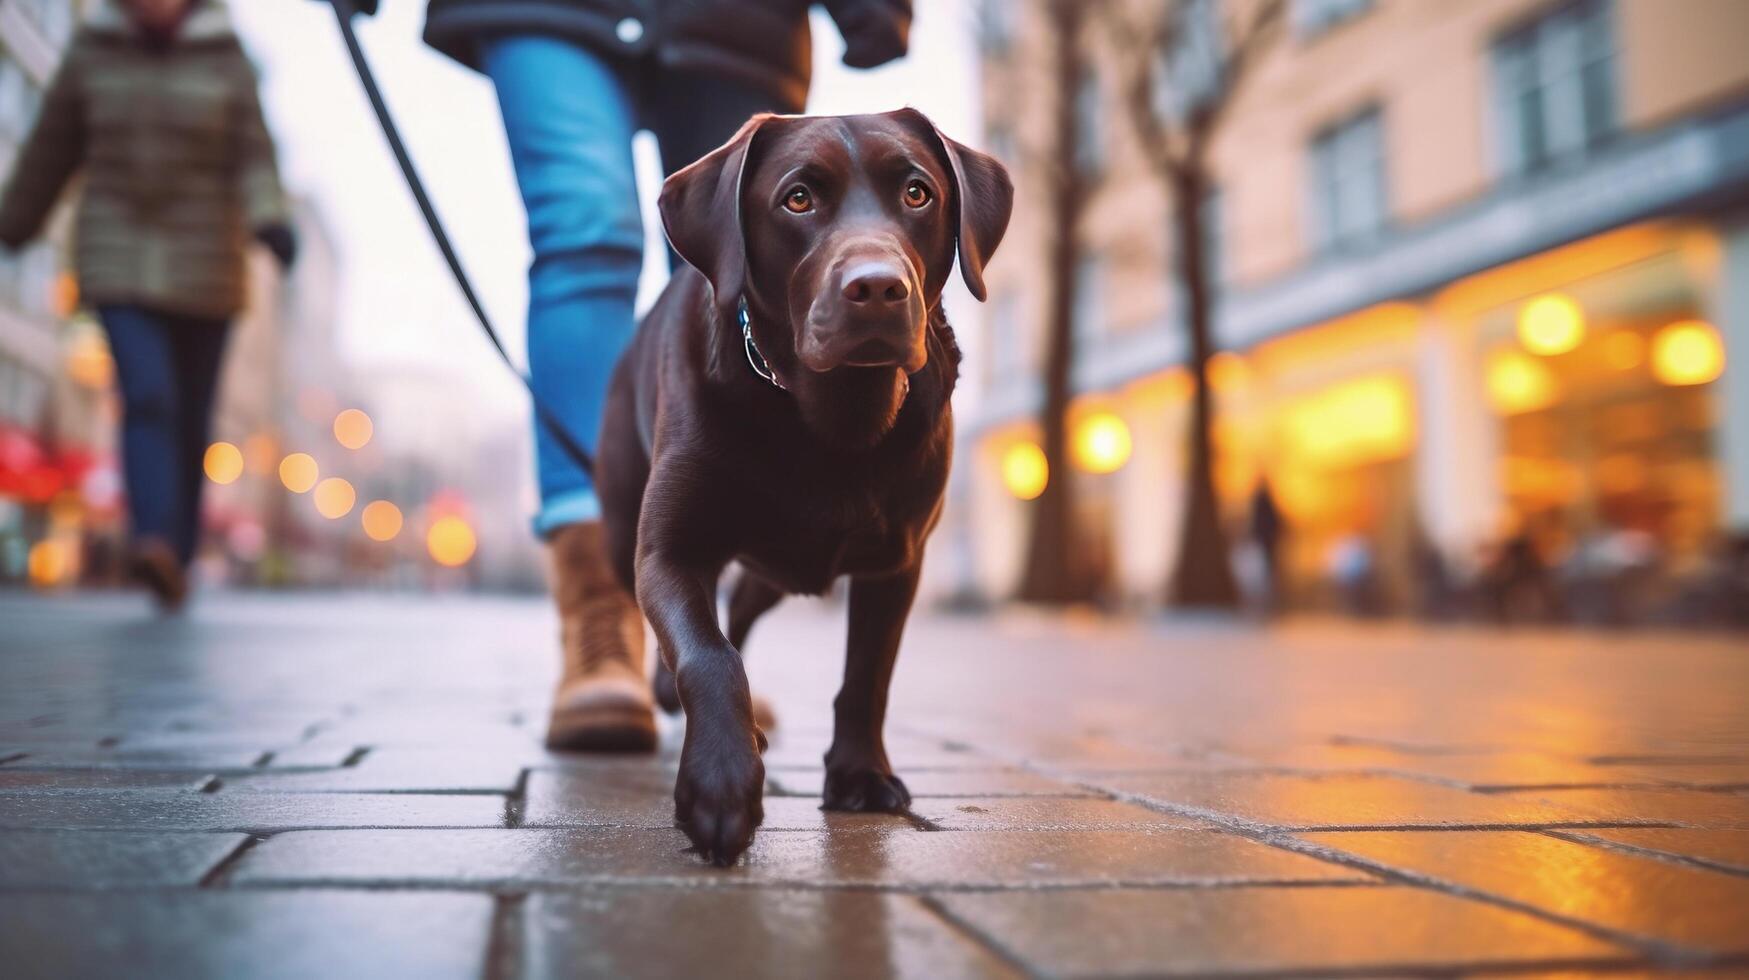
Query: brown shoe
x=602 y=703
x=155 y=565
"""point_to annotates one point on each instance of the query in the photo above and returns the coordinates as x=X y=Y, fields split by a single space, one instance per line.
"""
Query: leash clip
x=755 y=360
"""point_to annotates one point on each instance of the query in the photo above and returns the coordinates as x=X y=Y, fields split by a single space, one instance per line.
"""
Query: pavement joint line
x=1663 y=952
x=212 y=784
x=504 y=942
x=216 y=875
x=354 y=757
x=1686 y=860
x=14 y=757
x=978 y=937
x=264 y=760
x=516 y=801
x=1282 y=837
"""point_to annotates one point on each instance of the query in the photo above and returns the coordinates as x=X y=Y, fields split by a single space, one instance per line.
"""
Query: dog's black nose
x=876 y=283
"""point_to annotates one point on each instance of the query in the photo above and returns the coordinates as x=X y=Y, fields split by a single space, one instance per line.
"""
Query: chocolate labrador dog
x=785 y=405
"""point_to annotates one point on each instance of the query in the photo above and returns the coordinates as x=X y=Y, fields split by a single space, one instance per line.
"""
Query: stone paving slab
x=637 y=933
x=1654 y=900
x=1699 y=775
x=1316 y=931
x=933 y=782
x=393 y=771
x=1500 y=769
x=644 y=798
x=202 y=934
x=1043 y=813
x=1726 y=850
x=150 y=810
x=1291 y=801
x=901 y=858
x=1693 y=808
x=99 y=780
x=96 y=859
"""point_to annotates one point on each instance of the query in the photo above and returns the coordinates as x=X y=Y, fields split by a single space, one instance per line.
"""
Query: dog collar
x=755 y=360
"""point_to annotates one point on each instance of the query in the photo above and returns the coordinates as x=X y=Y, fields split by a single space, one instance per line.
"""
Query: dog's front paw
x=865 y=790
x=717 y=799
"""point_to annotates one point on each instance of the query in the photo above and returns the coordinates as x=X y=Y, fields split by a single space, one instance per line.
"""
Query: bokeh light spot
x=1025 y=471
x=450 y=541
x=382 y=520
x=1551 y=324
x=334 y=498
x=1687 y=353
x=1102 y=443
x=352 y=429
x=223 y=463
x=1518 y=383
x=298 y=472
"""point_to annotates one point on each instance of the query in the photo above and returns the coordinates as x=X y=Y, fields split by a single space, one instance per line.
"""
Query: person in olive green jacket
x=155 y=105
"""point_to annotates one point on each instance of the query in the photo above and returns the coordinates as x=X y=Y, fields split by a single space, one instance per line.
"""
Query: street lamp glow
x=1551 y=324
x=352 y=429
x=1687 y=353
x=1025 y=471
x=1518 y=383
x=450 y=541
x=298 y=472
x=223 y=463
x=382 y=520
x=1102 y=443
x=334 y=498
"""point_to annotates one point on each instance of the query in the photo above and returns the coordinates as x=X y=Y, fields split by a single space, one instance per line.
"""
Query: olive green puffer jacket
x=178 y=165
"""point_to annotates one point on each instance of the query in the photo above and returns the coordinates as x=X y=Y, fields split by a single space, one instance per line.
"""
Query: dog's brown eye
x=916 y=194
x=798 y=200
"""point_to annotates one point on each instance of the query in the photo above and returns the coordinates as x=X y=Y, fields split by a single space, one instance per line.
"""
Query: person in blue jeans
x=154 y=105
x=575 y=80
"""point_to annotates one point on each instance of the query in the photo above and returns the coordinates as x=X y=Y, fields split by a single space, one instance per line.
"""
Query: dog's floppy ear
x=701 y=212
x=983 y=196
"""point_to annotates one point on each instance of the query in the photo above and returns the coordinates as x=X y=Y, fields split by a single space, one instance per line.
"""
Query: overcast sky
x=398 y=306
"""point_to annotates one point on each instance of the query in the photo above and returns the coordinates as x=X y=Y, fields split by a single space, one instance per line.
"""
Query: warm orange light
x=1551 y=324
x=298 y=472
x=1025 y=471
x=1624 y=350
x=49 y=563
x=1354 y=422
x=64 y=295
x=382 y=520
x=1102 y=443
x=352 y=429
x=334 y=498
x=1518 y=383
x=88 y=360
x=1687 y=353
x=223 y=463
x=450 y=541
x=1227 y=371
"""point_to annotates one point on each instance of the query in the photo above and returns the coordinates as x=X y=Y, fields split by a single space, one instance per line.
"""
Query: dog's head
x=839 y=232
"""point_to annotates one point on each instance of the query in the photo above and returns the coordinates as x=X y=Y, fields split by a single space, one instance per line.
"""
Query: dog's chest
x=804 y=556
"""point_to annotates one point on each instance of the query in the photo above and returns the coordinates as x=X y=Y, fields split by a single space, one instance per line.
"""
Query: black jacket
x=764 y=43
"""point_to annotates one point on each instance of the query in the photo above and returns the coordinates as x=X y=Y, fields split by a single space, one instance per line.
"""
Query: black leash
x=343 y=11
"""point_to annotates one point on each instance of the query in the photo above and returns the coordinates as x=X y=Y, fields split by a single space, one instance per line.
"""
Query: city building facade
x=1482 y=270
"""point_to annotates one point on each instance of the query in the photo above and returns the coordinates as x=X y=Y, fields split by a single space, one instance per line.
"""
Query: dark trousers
x=168 y=366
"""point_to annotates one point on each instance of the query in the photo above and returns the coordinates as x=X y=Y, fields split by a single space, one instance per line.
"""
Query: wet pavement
x=355 y=787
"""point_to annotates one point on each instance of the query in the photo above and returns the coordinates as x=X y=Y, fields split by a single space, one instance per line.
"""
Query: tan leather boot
x=602 y=703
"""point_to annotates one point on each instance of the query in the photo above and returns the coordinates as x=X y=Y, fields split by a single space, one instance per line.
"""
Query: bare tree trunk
x=1203 y=575
x=1056 y=571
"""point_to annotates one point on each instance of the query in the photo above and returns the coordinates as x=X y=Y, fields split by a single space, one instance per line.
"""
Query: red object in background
x=32 y=473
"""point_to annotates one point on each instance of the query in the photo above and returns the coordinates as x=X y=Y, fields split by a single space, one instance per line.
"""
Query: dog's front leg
x=858 y=776
x=717 y=795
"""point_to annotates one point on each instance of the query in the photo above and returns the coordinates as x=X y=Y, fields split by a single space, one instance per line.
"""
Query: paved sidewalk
x=355 y=787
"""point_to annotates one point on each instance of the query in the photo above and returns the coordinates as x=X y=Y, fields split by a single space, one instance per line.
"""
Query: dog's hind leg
x=752 y=598
x=858 y=775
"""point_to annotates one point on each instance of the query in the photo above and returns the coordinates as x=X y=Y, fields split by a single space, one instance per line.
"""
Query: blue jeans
x=570 y=114
x=168 y=367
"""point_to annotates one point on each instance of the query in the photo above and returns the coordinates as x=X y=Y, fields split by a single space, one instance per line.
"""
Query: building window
x=1554 y=86
x=1311 y=18
x=1089 y=153
x=1348 y=182
x=996 y=26
x=1089 y=297
x=1007 y=351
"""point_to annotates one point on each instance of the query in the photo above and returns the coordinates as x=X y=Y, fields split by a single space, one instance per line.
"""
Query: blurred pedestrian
x=575 y=80
x=1266 y=532
x=155 y=105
